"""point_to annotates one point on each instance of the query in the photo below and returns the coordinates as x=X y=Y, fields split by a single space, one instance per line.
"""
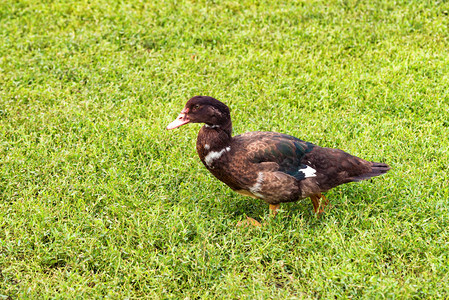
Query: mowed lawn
x=99 y=200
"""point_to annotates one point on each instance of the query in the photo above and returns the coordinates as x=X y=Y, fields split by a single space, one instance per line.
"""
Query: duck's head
x=203 y=109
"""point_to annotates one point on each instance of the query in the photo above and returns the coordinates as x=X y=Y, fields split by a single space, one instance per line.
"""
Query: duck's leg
x=319 y=203
x=249 y=222
x=274 y=209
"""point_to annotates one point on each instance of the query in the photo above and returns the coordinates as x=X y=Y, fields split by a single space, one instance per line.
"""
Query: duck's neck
x=214 y=137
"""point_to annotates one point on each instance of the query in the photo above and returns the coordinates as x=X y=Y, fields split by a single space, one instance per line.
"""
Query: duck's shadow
x=343 y=201
x=239 y=207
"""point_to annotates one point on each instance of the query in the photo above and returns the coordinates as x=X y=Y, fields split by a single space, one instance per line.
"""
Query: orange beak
x=182 y=119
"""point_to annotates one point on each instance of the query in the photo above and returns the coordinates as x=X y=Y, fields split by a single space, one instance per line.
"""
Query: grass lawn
x=98 y=200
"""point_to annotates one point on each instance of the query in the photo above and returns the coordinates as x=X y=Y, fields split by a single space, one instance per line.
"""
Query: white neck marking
x=211 y=126
x=214 y=155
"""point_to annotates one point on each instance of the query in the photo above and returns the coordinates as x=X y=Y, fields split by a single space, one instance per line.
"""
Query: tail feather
x=376 y=170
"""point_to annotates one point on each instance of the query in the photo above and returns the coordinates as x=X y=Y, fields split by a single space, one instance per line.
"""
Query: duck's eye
x=196 y=107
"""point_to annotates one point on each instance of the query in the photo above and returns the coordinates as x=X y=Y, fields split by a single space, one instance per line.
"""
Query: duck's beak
x=179 y=121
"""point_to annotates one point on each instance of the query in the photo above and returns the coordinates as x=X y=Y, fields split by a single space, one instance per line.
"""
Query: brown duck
x=270 y=166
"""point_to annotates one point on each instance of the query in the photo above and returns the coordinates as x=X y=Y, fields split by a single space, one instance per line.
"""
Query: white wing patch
x=257 y=187
x=308 y=172
x=213 y=155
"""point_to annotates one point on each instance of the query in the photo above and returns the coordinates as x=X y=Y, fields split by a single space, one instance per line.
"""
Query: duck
x=270 y=166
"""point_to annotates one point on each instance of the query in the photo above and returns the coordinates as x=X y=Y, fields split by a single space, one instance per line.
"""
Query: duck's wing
x=276 y=151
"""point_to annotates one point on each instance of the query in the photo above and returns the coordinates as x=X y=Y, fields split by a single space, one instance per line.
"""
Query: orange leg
x=319 y=203
x=251 y=222
x=274 y=209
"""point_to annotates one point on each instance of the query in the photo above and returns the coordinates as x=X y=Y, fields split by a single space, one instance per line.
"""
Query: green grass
x=98 y=200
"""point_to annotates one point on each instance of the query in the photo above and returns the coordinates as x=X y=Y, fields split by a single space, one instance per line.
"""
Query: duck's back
x=261 y=148
x=279 y=168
